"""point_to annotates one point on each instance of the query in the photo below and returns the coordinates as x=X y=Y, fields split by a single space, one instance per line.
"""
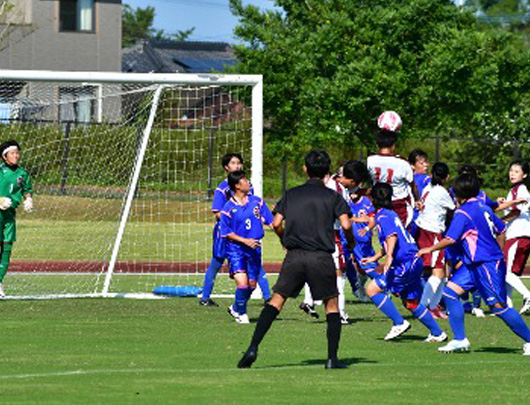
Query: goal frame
x=160 y=80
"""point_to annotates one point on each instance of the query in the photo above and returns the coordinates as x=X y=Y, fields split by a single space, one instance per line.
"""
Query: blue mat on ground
x=180 y=291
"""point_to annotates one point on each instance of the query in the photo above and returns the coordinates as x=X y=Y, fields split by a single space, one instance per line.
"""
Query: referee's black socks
x=267 y=316
x=333 y=333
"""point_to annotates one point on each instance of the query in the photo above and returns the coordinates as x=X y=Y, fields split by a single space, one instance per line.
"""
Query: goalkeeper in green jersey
x=15 y=184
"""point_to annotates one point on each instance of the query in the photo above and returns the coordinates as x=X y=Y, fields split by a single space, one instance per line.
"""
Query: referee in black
x=309 y=211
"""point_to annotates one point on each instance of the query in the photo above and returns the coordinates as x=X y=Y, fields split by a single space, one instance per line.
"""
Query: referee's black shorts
x=316 y=268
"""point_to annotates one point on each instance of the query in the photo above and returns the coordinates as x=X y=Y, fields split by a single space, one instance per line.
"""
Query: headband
x=8 y=149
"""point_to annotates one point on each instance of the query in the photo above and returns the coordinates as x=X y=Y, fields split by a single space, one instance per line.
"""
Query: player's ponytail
x=440 y=173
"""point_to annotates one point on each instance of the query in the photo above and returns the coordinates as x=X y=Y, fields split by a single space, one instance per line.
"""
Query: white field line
x=274 y=368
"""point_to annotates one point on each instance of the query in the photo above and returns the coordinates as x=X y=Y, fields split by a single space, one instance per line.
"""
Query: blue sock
x=425 y=317
x=351 y=273
x=263 y=283
x=385 y=305
x=476 y=299
x=455 y=308
x=242 y=297
x=515 y=321
x=209 y=277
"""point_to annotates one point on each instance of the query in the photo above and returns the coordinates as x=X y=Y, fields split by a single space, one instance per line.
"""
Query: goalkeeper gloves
x=5 y=203
x=28 y=204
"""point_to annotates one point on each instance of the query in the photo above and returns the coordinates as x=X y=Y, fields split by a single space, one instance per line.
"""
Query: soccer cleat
x=526 y=306
x=436 y=339
x=242 y=319
x=479 y=313
x=455 y=346
x=309 y=309
x=397 y=330
x=361 y=295
x=526 y=349
x=208 y=303
x=334 y=363
x=345 y=319
x=248 y=358
x=234 y=314
x=2 y=294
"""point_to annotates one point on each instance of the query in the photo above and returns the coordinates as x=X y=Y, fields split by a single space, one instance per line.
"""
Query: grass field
x=174 y=351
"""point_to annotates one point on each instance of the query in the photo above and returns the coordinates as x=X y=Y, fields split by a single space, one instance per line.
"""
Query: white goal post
x=148 y=143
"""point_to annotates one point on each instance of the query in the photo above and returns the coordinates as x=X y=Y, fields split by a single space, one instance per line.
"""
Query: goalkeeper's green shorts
x=8 y=225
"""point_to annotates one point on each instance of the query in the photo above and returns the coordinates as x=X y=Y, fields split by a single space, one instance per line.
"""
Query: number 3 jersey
x=474 y=227
x=393 y=170
x=14 y=183
x=245 y=220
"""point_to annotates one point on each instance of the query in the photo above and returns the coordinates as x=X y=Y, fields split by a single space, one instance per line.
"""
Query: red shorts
x=403 y=209
x=424 y=238
x=338 y=255
x=516 y=252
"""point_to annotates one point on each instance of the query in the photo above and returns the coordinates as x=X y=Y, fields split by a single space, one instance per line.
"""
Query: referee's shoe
x=248 y=358
x=334 y=363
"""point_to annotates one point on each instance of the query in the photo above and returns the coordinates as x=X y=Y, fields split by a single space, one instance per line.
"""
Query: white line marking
x=275 y=368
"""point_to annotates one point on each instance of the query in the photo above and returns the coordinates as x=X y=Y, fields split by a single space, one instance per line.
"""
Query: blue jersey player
x=419 y=161
x=231 y=162
x=473 y=230
x=242 y=220
x=362 y=214
x=402 y=270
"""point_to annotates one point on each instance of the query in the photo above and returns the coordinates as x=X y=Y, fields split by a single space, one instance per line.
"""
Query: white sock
x=429 y=290
x=308 y=298
x=517 y=283
x=342 y=297
x=438 y=294
x=509 y=290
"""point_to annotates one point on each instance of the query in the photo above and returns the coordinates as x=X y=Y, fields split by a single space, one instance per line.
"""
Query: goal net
x=124 y=167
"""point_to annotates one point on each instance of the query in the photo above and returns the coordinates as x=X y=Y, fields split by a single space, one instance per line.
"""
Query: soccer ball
x=389 y=120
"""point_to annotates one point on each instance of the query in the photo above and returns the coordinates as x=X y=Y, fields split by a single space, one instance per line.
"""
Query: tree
x=331 y=66
x=137 y=24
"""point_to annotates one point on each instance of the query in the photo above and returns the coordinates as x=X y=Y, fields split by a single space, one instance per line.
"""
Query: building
x=71 y=35
x=61 y=35
x=181 y=57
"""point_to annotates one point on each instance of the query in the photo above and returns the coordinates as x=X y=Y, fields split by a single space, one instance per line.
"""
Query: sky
x=212 y=19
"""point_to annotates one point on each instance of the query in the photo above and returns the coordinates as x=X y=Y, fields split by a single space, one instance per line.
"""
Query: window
x=76 y=15
x=77 y=104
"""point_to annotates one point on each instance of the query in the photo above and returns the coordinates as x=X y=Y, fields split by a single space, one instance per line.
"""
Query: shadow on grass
x=500 y=350
x=357 y=302
x=349 y=361
x=404 y=339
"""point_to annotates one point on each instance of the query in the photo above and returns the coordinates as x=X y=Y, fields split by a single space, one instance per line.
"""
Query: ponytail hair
x=440 y=172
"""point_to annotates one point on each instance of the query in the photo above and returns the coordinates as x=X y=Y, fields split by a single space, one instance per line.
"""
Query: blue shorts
x=403 y=280
x=243 y=259
x=463 y=278
x=218 y=243
x=362 y=250
x=490 y=280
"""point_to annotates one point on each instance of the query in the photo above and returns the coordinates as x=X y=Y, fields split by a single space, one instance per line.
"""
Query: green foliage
x=330 y=67
x=137 y=24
